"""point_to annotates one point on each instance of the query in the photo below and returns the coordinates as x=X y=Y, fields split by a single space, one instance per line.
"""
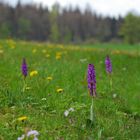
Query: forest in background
x=64 y=25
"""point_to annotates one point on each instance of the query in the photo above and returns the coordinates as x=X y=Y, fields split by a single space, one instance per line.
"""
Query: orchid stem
x=111 y=87
x=24 y=85
x=92 y=111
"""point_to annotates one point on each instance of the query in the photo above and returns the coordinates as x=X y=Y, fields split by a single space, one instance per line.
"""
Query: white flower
x=43 y=99
x=21 y=138
x=66 y=113
x=32 y=132
x=83 y=60
x=114 y=95
x=35 y=138
x=71 y=109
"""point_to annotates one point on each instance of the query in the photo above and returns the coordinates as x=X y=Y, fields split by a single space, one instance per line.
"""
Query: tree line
x=32 y=22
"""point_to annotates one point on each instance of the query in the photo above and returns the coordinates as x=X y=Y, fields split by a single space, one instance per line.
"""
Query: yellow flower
x=28 y=88
x=11 y=43
x=23 y=118
x=44 y=51
x=12 y=46
x=34 y=51
x=58 y=57
x=1 y=51
x=116 y=52
x=58 y=53
x=59 y=90
x=49 y=78
x=33 y=73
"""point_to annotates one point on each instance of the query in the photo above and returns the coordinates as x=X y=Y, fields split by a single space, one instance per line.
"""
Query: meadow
x=57 y=83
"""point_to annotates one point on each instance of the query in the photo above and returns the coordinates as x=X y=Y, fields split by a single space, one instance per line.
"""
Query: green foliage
x=67 y=37
x=5 y=30
x=117 y=117
x=130 y=29
x=55 y=35
x=24 y=26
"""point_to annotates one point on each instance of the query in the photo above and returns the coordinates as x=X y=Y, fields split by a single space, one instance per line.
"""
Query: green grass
x=116 y=118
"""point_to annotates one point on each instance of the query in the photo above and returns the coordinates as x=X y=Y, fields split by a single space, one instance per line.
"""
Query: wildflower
x=83 y=60
x=49 y=78
x=59 y=90
x=30 y=134
x=116 y=52
x=1 y=51
x=109 y=70
x=108 y=65
x=33 y=73
x=58 y=55
x=34 y=51
x=33 y=133
x=23 y=118
x=21 y=138
x=66 y=113
x=71 y=109
x=12 y=46
x=43 y=99
x=91 y=79
x=44 y=51
x=24 y=68
x=11 y=43
x=114 y=95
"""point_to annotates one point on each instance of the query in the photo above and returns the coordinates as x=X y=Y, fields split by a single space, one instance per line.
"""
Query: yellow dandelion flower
x=1 y=51
x=116 y=52
x=59 y=90
x=33 y=73
x=11 y=43
x=34 y=50
x=60 y=46
x=49 y=78
x=23 y=118
x=12 y=46
x=58 y=57
x=44 y=51
x=59 y=53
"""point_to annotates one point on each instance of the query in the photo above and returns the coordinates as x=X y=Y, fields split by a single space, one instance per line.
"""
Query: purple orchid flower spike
x=24 y=68
x=108 y=65
x=91 y=79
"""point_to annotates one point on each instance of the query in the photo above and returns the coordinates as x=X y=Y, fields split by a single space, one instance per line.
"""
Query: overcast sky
x=104 y=7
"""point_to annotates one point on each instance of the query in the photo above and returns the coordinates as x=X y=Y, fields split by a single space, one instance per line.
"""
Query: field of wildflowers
x=66 y=92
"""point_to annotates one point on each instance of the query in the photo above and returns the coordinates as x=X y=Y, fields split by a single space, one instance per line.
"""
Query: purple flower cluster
x=24 y=68
x=91 y=79
x=108 y=65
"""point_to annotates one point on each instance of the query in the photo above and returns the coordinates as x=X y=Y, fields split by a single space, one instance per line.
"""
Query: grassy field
x=60 y=84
